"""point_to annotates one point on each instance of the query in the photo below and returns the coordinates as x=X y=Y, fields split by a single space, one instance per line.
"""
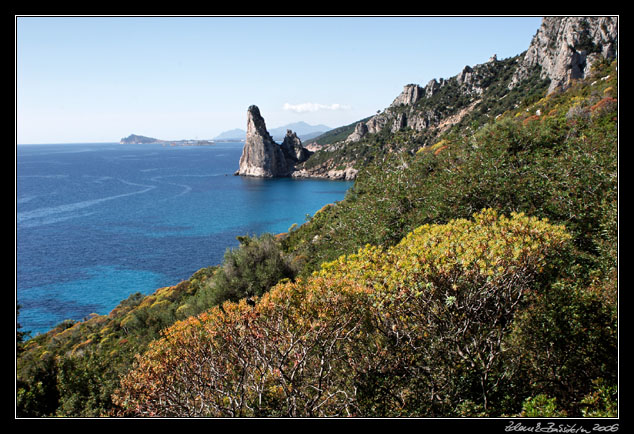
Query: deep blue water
x=98 y=222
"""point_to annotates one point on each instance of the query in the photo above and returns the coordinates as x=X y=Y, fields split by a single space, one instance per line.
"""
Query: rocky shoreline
x=347 y=174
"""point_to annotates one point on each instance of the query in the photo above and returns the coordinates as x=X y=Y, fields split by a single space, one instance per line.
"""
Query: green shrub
x=541 y=406
x=247 y=271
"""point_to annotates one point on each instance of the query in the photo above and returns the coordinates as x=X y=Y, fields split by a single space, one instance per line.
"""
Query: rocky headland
x=562 y=50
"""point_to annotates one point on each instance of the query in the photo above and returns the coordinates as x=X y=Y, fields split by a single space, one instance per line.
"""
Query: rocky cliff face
x=566 y=47
x=262 y=156
x=416 y=107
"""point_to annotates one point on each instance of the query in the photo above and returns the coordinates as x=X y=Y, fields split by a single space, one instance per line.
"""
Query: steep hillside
x=484 y=315
x=521 y=162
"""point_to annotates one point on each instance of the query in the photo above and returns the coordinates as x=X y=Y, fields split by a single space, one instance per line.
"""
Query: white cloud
x=313 y=107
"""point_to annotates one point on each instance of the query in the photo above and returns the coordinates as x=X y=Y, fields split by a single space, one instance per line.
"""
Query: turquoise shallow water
x=97 y=222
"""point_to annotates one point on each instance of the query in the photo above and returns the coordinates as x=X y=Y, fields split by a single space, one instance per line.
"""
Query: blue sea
x=98 y=222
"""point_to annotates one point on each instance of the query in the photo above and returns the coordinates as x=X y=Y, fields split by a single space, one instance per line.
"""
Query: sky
x=85 y=79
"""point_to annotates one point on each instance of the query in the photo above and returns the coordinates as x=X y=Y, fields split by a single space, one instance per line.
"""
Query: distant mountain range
x=303 y=130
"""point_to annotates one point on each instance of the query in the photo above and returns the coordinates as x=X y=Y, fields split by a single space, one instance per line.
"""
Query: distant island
x=134 y=139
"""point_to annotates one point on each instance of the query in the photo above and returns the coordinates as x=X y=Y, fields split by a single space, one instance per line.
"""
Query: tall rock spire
x=264 y=158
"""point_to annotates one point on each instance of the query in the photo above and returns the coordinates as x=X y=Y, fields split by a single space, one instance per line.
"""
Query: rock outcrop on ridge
x=262 y=156
x=411 y=109
x=566 y=47
x=563 y=49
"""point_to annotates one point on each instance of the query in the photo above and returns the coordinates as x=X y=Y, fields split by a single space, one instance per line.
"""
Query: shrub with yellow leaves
x=420 y=315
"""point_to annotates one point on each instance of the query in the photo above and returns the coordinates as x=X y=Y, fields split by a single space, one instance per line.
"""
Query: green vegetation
x=561 y=165
x=336 y=134
x=247 y=271
x=471 y=273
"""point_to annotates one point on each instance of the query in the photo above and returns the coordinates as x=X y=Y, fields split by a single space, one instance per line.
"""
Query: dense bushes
x=428 y=317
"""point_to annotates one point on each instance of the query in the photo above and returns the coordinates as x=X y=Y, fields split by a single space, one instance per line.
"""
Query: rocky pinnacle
x=262 y=156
